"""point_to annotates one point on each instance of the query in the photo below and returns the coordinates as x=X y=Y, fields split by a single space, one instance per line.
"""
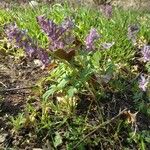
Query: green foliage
x=57 y=140
x=18 y=122
x=141 y=139
x=89 y=77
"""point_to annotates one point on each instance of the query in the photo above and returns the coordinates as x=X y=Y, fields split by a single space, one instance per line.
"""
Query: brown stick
x=99 y=126
x=16 y=89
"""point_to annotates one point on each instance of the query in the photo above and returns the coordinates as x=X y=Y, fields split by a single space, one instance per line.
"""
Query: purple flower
x=107 y=10
x=21 y=40
x=29 y=49
x=49 y=27
x=43 y=56
x=146 y=53
x=67 y=24
x=56 y=45
x=143 y=83
x=89 y=41
x=55 y=32
x=132 y=32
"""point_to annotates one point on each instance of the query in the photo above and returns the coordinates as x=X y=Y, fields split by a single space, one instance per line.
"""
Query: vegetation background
x=84 y=99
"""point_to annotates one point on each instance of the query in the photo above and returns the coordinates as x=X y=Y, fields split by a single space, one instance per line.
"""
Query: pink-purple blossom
x=146 y=53
x=55 y=32
x=107 y=10
x=143 y=82
x=20 y=39
x=91 y=37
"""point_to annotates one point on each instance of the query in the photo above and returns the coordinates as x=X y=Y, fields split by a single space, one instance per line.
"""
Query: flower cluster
x=59 y=38
x=91 y=37
x=146 y=53
x=21 y=40
x=107 y=10
x=55 y=32
x=143 y=83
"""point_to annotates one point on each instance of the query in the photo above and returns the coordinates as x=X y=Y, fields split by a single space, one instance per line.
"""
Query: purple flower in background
x=132 y=32
x=107 y=10
x=49 y=27
x=21 y=40
x=30 y=49
x=56 y=45
x=143 y=83
x=43 y=56
x=55 y=32
x=67 y=24
x=89 y=41
x=146 y=53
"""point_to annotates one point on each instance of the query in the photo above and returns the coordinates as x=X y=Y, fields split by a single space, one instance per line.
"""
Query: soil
x=17 y=77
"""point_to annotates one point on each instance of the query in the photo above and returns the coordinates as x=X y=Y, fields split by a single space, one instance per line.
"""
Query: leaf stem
x=99 y=126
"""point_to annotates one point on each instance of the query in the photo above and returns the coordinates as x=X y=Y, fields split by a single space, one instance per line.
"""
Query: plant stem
x=16 y=89
x=99 y=126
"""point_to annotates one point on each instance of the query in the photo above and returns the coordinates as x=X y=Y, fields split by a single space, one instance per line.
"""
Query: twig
x=16 y=89
x=3 y=84
x=99 y=126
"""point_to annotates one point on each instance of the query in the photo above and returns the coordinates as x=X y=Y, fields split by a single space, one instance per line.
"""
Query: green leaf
x=148 y=66
x=57 y=140
x=72 y=90
x=142 y=145
x=147 y=139
x=81 y=147
x=62 y=83
x=96 y=58
x=49 y=92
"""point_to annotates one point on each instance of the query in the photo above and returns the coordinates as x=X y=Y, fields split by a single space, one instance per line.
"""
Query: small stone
x=38 y=62
x=2 y=137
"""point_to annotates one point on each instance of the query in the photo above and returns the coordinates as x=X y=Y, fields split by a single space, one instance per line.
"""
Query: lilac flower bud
x=146 y=53
x=143 y=83
x=30 y=50
x=89 y=41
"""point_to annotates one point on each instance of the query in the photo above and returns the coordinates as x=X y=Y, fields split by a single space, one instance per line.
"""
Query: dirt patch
x=15 y=74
